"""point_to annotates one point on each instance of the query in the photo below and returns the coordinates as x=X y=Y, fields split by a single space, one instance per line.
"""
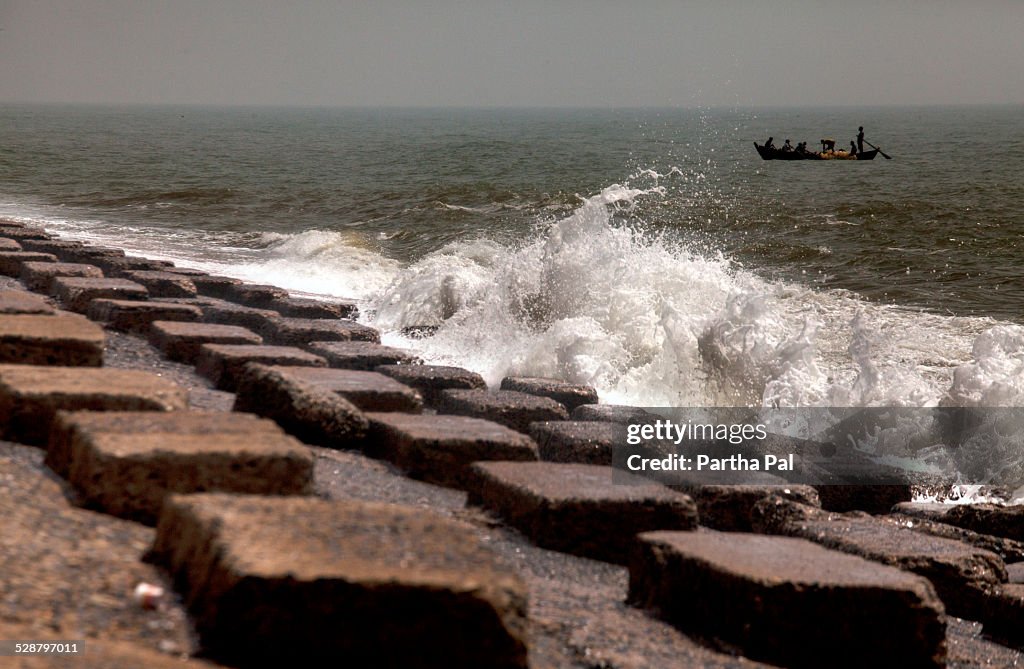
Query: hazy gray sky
x=512 y=53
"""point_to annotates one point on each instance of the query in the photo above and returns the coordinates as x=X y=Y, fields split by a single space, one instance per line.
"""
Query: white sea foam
x=656 y=324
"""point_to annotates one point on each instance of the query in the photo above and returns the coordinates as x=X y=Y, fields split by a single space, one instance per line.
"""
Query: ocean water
x=650 y=253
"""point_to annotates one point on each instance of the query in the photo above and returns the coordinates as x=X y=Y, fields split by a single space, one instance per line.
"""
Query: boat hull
x=778 y=154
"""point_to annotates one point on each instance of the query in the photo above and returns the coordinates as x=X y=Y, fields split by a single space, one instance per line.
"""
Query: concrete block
x=369 y=391
x=163 y=284
x=31 y=395
x=362 y=355
x=61 y=339
x=508 y=407
x=314 y=414
x=302 y=331
x=577 y=508
x=300 y=307
x=181 y=341
x=441 y=449
x=730 y=508
x=23 y=302
x=877 y=498
x=90 y=255
x=585 y=442
x=569 y=395
x=612 y=413
x=228 y=313
x=120 y=266
x=254 y=295
x=69 y=427
x=431 y=380
x=213 y=285
x=130 y=475
x=136 y=316
x=953 y=567
x=54 y=246
x=26 y=232
x=788 y=601
x=379 y=585
x=38 y=276
x=11 y=261
x=76 y=293
x=9 y=244
x=223 y=363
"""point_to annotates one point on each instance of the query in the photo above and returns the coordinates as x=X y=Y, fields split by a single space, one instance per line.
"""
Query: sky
x=509 y=53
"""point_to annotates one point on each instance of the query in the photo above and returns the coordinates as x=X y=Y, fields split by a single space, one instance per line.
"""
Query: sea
x=647 y=252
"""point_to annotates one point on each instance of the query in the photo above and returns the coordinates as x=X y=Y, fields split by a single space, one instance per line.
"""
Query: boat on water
x=774 y=153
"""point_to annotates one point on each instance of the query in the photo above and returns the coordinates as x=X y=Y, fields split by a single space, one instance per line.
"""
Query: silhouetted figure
x=787 y=146
x=770 y=144
x=828 y=145
x=860 y=139
x=853 y=148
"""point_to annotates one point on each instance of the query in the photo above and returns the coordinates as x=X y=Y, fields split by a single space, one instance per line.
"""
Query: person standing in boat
x=860 y=139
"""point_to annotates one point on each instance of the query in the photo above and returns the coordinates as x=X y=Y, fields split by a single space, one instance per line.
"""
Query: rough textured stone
x=300 y=307
x=369 y=391
x=163 y=284
x=953 y=567
x=229 y=313
x=31 y=395
x=23 y=302
x=38 y=276
x=441 y=449
x=254 y=295
x=302 y=331
x=314 y=414
x=569 y=395
x=508 y=407
x=214 y=285
x=26 y=232
x=223 y=363
x=96 y=653
x=181 y=341
x=577 y=508
x=878 y=498
x=612 y=413
x=363 y=355
x=1000 y=521
x=129 y=475
x=587 y=442
x=91 y=255
x=59 y=339
x=729 y=508
x=789 y=601
x=1003 y=609
x=54 y=246
x=9 y=244
x=11 y=261
x=379 y=585
x=137 y=316
x=71 y=426
x=431 y=380
x=120 y=266
x=1007 y=549
x=76 y=293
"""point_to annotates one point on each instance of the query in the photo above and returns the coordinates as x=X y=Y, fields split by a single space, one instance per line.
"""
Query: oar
x=884 y=154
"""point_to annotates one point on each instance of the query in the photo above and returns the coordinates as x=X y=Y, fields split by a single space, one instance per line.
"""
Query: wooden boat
x=775 y=153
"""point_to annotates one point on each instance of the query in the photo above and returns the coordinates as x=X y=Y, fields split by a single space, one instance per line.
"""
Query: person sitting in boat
x=853 y=148
x=801 y=147
x=770 y=144
x=828 y=144
x=787 y=146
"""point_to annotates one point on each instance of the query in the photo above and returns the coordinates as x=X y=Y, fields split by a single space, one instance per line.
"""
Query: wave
x=654 y=323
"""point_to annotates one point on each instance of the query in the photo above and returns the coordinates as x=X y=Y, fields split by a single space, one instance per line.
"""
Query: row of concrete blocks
x=548 y=511
x=735 y=586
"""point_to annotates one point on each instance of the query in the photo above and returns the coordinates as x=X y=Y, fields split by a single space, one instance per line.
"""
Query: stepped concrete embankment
x=199 y=472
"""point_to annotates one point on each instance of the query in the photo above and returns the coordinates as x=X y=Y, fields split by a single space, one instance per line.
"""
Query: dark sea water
x=649 y=252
